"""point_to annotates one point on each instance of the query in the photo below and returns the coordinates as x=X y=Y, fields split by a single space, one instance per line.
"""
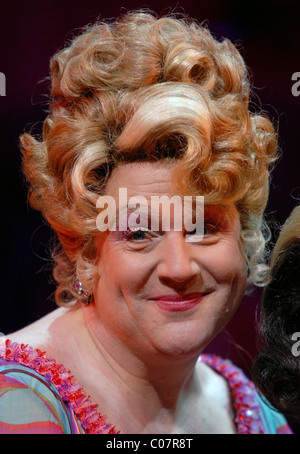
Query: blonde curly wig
x=146 y=88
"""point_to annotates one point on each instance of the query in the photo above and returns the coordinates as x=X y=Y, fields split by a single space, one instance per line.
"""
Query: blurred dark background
x=268 y=36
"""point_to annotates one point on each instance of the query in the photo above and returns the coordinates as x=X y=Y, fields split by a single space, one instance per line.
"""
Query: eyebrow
x=153 y=214
x=123 y=213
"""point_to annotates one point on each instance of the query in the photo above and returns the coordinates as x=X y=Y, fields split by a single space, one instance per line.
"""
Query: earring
x=85 y=297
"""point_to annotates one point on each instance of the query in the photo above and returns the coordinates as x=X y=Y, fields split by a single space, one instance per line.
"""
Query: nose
x=177 y=267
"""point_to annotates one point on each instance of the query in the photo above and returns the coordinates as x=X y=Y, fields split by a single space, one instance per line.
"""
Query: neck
x=152 y=384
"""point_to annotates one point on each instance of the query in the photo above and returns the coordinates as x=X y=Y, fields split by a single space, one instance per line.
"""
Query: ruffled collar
x=70 y=391
x=247 y=417
x=243 y=392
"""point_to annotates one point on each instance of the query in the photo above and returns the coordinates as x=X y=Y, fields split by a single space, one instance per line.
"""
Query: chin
x=181 y=352
x=182 y=345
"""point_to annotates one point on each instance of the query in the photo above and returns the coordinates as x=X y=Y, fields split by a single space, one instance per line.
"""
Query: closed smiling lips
x=176 y=303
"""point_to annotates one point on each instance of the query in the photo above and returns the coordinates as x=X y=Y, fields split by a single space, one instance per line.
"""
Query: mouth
x=178 y=303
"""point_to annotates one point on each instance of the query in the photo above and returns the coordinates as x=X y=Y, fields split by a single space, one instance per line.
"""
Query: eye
x=209 y=235
x=139 y=234
x=210 y=228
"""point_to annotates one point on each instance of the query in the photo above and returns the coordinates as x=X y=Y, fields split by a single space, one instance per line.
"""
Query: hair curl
x=276 y=370
x=146 y=88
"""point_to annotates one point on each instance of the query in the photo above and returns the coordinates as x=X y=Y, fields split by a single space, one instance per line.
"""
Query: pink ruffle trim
x=243 y=391
x=247 y=418
x=66 y=385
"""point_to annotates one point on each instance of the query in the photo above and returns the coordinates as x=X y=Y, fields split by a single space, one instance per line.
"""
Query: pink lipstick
x=177 y=303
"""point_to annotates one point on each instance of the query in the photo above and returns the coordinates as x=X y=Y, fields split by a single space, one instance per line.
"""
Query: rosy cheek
x=224 y=263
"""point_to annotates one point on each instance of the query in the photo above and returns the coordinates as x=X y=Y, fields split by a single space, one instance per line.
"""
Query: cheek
x=228 y=269
x=122 y=271
x=225 y=262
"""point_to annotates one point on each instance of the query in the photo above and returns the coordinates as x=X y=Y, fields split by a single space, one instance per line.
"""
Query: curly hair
x=146 y=88
x=276 y=370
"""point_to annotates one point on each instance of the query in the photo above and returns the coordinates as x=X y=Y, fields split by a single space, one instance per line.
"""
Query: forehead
x=155 y=178
x=142 y=178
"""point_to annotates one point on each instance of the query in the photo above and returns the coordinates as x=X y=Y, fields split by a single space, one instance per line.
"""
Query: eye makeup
x=137 y=225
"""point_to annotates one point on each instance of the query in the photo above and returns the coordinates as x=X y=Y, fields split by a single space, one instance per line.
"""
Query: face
x=158 y=291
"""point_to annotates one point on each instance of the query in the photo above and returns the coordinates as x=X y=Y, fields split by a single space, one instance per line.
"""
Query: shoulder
x=29 y=403
x=39 y=395
x=253 y=414
x=39 y=333
x=274 y=422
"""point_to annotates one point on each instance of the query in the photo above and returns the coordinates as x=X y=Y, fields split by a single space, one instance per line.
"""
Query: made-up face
x=156 y=290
